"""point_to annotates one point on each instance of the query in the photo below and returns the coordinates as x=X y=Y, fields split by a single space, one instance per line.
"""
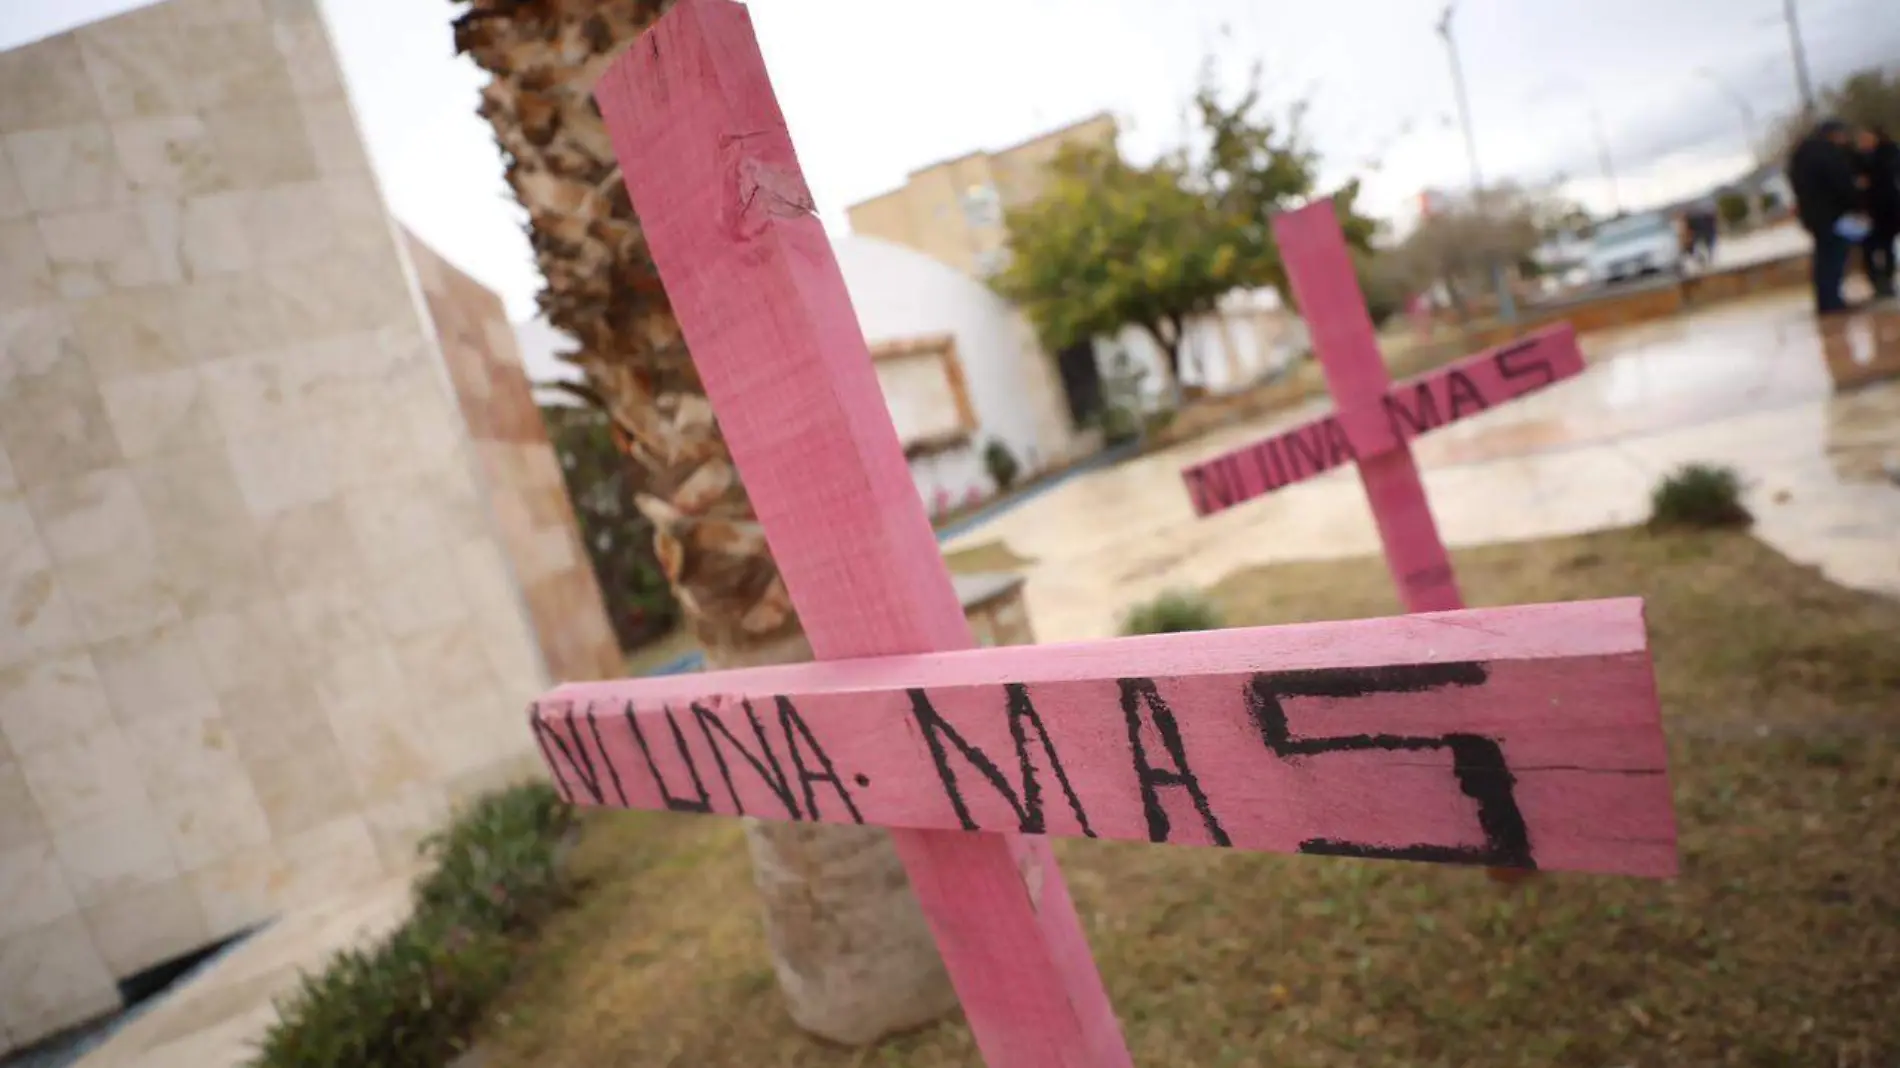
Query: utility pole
x=1742 y=107
x=1507 y=305
x=1603 y=157
x=1800 y=61
x=1464 y=105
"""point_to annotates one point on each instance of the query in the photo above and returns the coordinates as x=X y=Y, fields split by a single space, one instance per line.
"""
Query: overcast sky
x=875 y=88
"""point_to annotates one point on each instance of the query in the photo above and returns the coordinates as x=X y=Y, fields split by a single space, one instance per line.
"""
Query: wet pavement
x=1809 y=417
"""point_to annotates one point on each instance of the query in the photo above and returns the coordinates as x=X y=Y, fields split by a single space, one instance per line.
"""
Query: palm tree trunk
x=850 y=947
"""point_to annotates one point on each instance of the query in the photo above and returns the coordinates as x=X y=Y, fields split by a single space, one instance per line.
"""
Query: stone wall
x=256 y=629
x=520 y=471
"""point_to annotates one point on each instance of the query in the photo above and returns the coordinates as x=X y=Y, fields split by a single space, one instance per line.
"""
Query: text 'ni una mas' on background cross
x=1373 y=420
x=1526 y=737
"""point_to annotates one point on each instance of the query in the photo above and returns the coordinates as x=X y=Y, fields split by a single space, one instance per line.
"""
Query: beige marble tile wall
x=256 y=632
x=533 y=515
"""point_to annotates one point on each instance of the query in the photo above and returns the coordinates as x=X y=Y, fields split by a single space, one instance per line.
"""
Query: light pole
x=1742 y=107
x=1800 y=60
x=1507 y=306
x=1603 y=157
x=1464 y=105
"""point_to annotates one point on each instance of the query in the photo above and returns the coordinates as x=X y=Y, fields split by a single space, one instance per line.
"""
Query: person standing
x=1827 y=198
x=1702 y=231
x=1880 y=166
x=1711 y=217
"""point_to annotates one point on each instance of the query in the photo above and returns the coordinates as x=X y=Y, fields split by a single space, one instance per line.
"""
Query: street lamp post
x=1742 y=107
x=1603 y=157
x=1464 y=104
x=1800 y=60
x=1507 y=305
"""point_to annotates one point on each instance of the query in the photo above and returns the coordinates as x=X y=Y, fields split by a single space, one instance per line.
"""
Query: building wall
x=1022 y=171
x=901 y=296
x=256 y=631
x=952 y=211
x=1252 y=337
x=519 y=470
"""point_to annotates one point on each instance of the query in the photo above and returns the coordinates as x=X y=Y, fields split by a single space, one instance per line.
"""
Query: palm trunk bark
x=853 y=955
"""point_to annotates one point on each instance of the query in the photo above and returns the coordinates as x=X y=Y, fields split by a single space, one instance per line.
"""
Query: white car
x=1633 y=246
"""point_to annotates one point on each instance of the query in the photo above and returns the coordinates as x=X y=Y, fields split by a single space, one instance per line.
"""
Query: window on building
x=982 y=207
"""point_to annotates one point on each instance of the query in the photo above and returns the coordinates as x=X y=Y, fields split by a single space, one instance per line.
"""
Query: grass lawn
x=1780 y=944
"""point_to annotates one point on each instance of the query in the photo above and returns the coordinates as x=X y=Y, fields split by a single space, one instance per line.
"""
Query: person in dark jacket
x=1821 y=170
x=1880 y=166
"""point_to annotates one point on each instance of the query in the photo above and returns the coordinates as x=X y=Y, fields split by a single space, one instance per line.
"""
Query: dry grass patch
x=1780 y=945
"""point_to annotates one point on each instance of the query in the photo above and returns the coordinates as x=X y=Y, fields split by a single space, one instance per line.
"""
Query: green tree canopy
x=1868 y=98
x=1112 y=244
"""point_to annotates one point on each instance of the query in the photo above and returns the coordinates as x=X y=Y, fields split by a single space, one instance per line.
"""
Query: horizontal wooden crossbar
x=1361 y=431
x=1524 y=737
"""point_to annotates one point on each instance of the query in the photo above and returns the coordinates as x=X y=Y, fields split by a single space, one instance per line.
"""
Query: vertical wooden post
x=1320 y=268
x=710 y=167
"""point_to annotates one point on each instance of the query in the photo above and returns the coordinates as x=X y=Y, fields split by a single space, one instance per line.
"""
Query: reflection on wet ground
x=1810 y=416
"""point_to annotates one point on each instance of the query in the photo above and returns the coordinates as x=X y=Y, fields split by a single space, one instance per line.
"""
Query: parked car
x=1634 y=246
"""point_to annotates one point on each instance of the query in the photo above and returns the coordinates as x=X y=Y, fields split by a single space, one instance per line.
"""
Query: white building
x=1253 y=337
x=960 y=370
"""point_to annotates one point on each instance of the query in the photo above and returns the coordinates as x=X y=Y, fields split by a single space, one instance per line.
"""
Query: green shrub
x=411 y=1000
x=1173 y=612
x=1120 y=424
x=1122 y=398
x=408 y=1002
x=497 y=864
x=1698 y=495
x=1001 y=463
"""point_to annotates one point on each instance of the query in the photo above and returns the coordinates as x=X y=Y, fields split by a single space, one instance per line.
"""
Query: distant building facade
x=953 y=211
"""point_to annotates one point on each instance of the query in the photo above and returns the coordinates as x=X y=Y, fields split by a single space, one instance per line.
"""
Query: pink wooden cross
x=1375 y=420
x=1526 y=736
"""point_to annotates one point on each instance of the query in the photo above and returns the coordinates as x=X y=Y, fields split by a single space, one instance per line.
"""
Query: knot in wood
x=765 y=183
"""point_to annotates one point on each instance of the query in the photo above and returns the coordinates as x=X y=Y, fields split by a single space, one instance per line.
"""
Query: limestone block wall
x=533 y=515
x=256 y=629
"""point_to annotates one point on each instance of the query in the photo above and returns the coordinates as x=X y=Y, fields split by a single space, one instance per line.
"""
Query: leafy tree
x=1732 y=206
x=1112 y=244
x=1454 y=247
x=1868 y=98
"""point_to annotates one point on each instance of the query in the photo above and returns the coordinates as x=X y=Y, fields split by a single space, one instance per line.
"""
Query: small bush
x=1120 y=424
x=1699 y=495
x=1173 y=612
x=411 y=1000
x=497 y=865
x=1001 y=463
x=408 y=1002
